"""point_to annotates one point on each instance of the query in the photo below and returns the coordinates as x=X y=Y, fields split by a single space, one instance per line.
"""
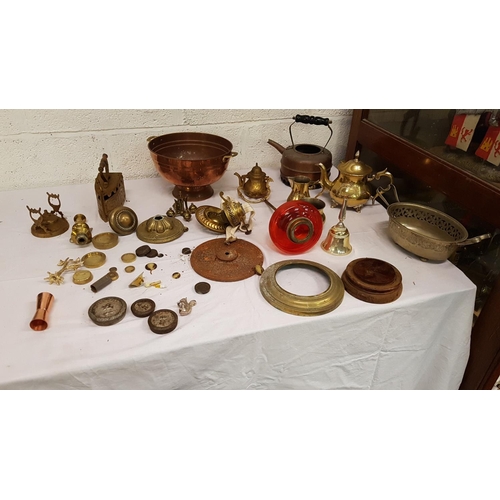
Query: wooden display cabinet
x=410 y=143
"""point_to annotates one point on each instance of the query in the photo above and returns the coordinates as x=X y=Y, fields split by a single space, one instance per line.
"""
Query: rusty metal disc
x=215 y=260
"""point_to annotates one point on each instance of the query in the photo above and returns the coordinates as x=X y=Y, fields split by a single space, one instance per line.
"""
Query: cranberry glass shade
x=295 y=226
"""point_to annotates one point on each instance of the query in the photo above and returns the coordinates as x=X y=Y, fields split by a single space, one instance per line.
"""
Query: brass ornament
x=220 y=261
x=48 y=224
x=66 y=265
x=160 y=229
x=123 y=221
x=301 y=305
x=109 y=189
x=181 y=207
x=81 y=233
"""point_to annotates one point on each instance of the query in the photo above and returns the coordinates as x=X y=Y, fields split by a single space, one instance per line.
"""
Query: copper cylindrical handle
x=44 y=302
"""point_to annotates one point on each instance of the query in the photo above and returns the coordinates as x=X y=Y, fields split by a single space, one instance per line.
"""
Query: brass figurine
x=185 y=307
x=81 y=233
x=109 y=189
x=48 y=224
x=254 y=186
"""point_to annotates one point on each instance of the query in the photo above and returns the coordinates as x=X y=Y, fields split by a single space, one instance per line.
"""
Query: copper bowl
x=192 y=161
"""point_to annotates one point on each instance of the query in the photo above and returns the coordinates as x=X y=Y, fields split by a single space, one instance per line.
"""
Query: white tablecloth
x=233 y=339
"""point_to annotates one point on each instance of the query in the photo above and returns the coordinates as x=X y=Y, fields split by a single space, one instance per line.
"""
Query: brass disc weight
x=301 y=305
x=215 y=260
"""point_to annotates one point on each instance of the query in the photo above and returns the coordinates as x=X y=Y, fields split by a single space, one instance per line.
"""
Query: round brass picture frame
x=301 y=305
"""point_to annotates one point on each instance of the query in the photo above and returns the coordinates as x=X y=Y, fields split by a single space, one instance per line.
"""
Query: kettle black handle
x=312 y=120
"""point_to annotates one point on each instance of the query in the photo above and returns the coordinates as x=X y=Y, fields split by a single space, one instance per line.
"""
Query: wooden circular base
x=373 y=280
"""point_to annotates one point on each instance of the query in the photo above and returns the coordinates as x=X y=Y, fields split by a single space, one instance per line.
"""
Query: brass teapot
x=254 y=186
x=352 y=183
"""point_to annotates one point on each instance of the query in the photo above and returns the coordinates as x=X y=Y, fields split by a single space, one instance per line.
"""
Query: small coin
x=128 y=257
x=130 y=269
x=142 y=251
x=163 y=321
x=142 y=307
x=176 y=276
x=152 y=253
x=186 y=251
x=82 y=277
x=113 y=269
x=202 y=287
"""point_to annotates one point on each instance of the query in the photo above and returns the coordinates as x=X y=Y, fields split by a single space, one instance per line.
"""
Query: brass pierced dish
x=301 y=305
x=427 y=232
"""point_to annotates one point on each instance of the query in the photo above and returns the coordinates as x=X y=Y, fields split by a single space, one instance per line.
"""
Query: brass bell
x=337 y=240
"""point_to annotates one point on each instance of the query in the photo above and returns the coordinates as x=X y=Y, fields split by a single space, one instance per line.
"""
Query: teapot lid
x=355 y=167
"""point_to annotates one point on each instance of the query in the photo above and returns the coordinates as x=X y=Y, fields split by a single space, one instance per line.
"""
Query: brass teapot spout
x=324 y=180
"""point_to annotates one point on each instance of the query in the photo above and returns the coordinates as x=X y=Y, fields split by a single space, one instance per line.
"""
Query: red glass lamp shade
x=295 y=226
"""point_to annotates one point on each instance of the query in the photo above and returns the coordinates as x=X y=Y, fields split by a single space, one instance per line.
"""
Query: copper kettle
x=352 y=183
x=303 y=159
